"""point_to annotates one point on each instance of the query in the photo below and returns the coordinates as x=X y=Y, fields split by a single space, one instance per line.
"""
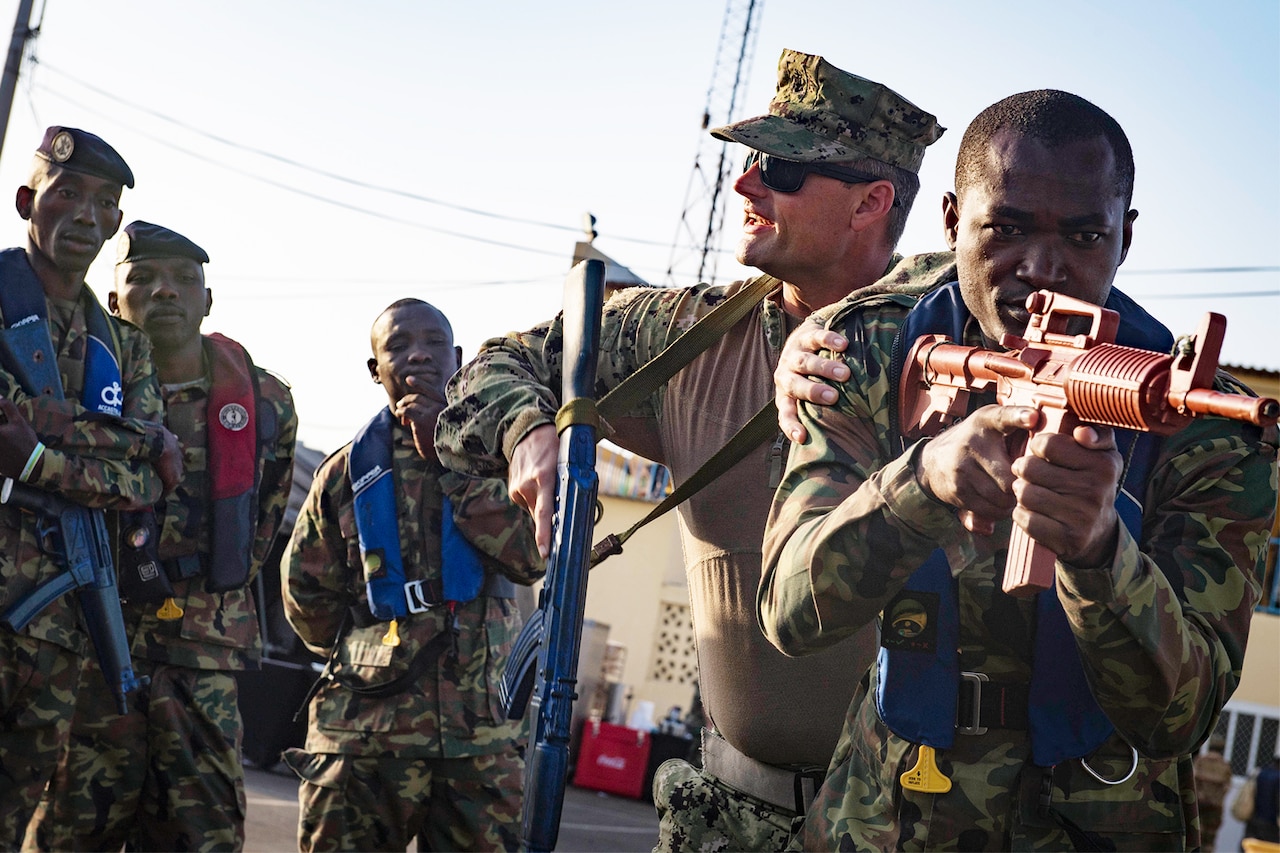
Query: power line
x=1197 y=270
x=316 y=170
x=307 y=193
x=299 y=165
x=1239 y=294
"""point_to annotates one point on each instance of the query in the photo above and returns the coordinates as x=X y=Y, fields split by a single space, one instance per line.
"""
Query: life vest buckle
x=416 y=597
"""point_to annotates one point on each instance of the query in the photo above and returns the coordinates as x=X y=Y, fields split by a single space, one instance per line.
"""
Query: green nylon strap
x=656 y=372
x=684 y=349
x=762 y=426
x=579 y=410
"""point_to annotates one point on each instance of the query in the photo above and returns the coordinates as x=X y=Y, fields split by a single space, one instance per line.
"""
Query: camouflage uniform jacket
x=95 y=460
x=748 y=687
x=452 y=710
x=849 y=525
x=218 y=630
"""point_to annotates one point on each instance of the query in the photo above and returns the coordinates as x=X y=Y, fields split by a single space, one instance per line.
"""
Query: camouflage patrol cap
x=821 y=113
x=142 y=240
x=81 y=151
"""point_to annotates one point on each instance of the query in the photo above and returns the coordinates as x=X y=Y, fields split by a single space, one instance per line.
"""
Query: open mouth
x=752 y=219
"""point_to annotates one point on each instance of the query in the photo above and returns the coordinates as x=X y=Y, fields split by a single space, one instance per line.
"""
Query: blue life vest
x=26 y=347
x=369 y=467
x=918 y=688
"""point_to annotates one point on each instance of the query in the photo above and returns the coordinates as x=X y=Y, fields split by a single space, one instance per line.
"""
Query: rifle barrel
x=1260 y=411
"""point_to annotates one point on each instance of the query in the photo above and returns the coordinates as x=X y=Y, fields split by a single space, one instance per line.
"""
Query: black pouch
x=141 y=575
x=231 y=549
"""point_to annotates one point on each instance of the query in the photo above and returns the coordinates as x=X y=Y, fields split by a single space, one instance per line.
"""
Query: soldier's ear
x=950 y=218
x=458 y=352
x=113 y=303
x=1126 y=234
x=23 y=200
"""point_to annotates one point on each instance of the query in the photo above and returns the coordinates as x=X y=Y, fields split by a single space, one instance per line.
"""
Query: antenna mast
x=697 y=237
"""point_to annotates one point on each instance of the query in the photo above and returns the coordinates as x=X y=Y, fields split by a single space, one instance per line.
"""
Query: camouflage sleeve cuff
x=1104 y=584
x=909 y=503
x=53 y=465
x=524 y=423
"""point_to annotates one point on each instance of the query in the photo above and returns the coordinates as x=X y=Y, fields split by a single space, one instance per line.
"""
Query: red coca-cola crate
x=612 y=758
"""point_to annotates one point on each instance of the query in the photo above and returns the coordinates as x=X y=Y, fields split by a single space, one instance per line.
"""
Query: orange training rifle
x=1071 y=379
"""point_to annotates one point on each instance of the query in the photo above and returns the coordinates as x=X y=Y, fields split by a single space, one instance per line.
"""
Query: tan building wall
x=1260 y=680
x=641 y=595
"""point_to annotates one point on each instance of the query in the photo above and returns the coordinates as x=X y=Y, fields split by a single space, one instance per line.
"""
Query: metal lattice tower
x=695 y=247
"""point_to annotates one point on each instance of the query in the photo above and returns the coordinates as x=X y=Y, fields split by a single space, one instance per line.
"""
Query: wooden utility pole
x=9 y=82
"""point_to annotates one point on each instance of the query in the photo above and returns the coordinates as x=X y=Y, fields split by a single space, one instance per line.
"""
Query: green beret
x=81 y=151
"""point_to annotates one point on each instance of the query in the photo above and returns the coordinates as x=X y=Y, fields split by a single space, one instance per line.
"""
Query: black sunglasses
x=787 y=176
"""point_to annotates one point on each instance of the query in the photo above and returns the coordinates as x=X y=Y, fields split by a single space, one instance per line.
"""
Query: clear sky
x=333 y=157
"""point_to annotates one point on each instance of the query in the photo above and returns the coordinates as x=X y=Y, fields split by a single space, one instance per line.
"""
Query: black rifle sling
x=658 y=371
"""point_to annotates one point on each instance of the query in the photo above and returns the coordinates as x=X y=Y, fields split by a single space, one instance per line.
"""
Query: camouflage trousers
x=165 y=776
x=37 y=696
x=357 y=803
x=697 y=811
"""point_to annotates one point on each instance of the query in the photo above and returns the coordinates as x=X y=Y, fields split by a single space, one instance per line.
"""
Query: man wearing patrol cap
x=101 y=446
x=829 y=180
x=172 y=763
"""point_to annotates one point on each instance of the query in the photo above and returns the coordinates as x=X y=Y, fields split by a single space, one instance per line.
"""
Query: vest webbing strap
x=762 y=426
x=684 y=349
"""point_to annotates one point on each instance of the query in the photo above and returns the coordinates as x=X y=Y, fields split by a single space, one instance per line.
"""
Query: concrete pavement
x=591 y=822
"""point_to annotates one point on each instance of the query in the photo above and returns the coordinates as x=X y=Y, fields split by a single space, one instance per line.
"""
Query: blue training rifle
x=553 y=635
